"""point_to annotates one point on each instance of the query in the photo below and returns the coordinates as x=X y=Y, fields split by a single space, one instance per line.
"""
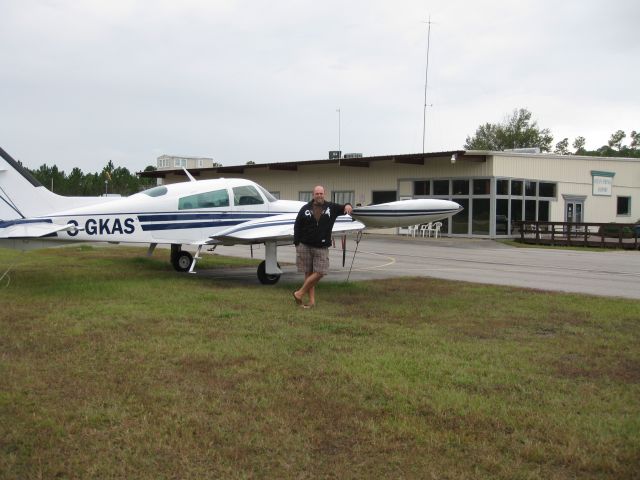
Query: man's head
x=318 y=195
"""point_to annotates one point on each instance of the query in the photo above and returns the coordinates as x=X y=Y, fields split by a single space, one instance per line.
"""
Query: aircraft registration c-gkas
x=223 y=211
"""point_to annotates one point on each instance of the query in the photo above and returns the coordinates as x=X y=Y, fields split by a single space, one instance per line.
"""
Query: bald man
x=312 y=237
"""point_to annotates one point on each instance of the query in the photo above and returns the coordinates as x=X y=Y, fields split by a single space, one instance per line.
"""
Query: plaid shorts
x=312 y=259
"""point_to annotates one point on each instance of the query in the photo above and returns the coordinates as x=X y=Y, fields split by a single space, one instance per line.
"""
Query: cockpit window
x=217 y=198
x=246 y=195
x=156 y=191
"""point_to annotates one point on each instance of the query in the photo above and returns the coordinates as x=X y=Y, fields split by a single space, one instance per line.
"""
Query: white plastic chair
x=413 y=229
x=435 y=228
x=425 y=229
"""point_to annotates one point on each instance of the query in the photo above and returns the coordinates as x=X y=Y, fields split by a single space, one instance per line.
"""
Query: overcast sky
x=84 y=82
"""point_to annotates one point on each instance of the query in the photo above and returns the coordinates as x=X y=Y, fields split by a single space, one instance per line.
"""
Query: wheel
x=264 y=277
x=182 y=261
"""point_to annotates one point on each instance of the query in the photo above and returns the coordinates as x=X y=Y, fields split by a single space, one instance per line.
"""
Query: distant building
x=171 y=162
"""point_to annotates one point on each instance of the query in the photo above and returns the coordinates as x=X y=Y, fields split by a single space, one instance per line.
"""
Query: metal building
x=496 y=188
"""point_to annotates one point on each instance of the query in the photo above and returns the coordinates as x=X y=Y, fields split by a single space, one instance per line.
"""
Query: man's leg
x=311 y=279
x=297 y=293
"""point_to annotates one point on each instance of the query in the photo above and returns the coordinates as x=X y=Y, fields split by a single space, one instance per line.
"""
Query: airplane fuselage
x=176 y=213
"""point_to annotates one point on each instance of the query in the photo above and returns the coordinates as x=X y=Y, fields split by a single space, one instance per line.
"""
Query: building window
x=502 y=216
x=461 y=187
x=482 y=186
x=516 y=187
x=530 y=210
x=422 y=187
x=624 y=206
x=180 y=162
x=502 y=187
x=530 y=188
x=460 y=221
x=481 y=214
x=441 y=187
x=276 y=195
x=305 y=196
x=383 y=196
x=342 y=197
x=547 y=190
x=543 y=210
x=516 y=210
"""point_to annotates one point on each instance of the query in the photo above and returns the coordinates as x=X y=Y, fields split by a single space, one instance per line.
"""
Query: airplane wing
x=277 y=228
x=31 y=228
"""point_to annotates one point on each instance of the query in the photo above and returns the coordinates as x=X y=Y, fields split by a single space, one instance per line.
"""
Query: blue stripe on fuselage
x=148 y=227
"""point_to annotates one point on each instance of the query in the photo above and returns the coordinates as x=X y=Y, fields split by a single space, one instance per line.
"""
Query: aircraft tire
x=182 y=261
x=264 y=277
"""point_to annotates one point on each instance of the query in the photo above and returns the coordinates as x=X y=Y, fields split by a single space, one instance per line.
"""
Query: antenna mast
x=426 y=82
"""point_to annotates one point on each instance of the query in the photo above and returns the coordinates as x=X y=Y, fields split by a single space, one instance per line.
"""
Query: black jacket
x=316 y=233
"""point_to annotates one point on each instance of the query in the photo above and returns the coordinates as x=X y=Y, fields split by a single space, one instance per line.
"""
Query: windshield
x=269 y=197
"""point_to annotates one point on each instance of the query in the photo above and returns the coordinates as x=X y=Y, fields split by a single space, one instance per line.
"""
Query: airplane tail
x=22 y=196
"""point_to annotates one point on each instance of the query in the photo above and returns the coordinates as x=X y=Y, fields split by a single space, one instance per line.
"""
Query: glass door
x=573 y=214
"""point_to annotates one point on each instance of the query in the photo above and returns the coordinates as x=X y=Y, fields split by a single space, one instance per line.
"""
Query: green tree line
x=519 y=130
x=119 y=180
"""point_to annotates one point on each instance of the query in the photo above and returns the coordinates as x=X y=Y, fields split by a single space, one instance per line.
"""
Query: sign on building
x=602 y=183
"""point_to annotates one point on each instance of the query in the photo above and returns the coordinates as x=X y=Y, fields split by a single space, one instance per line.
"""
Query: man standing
x=312 y=237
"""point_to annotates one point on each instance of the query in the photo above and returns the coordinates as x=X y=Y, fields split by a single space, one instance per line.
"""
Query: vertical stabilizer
x=22 y=196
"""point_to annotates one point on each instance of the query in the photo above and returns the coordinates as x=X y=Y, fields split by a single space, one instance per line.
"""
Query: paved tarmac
x=610 y=273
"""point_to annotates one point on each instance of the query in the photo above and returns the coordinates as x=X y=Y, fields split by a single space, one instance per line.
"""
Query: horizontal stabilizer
x=31 y=228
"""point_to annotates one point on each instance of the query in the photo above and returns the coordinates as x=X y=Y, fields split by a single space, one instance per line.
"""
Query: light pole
x=106 y=182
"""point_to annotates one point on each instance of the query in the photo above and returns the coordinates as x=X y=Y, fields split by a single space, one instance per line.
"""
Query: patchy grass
x=114 y=366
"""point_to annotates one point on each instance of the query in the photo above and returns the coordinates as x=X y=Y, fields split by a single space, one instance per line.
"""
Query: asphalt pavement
x=614 y=273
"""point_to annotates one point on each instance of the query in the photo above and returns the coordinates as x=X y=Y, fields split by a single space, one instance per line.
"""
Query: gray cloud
x=85 y=82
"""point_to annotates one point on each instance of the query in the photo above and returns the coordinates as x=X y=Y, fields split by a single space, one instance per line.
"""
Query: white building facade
x=497 y=189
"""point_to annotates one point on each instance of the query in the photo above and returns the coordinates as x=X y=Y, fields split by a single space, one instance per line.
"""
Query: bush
x=613 y=230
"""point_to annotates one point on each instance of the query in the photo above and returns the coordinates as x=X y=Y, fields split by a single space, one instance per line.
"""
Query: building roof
x=363 y=162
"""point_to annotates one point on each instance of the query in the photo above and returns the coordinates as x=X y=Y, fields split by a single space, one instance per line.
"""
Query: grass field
x=114 y=366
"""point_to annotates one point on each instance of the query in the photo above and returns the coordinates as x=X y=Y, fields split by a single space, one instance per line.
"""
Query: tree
x=615 y=141
x=562 y=147
x=635 y=140
x=75 y=182
x=579 y=144
x=516 y=131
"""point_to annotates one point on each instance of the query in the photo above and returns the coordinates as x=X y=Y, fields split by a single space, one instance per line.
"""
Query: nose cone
x=455 y=206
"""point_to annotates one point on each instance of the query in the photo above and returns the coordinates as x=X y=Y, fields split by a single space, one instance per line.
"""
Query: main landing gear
x=264 y=277
x=268 y=271
x=180 y=259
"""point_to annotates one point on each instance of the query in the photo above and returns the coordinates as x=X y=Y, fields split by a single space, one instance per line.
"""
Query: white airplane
x=223 y=211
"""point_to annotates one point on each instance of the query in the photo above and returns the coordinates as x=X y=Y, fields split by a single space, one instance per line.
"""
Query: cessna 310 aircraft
x=224 y=211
